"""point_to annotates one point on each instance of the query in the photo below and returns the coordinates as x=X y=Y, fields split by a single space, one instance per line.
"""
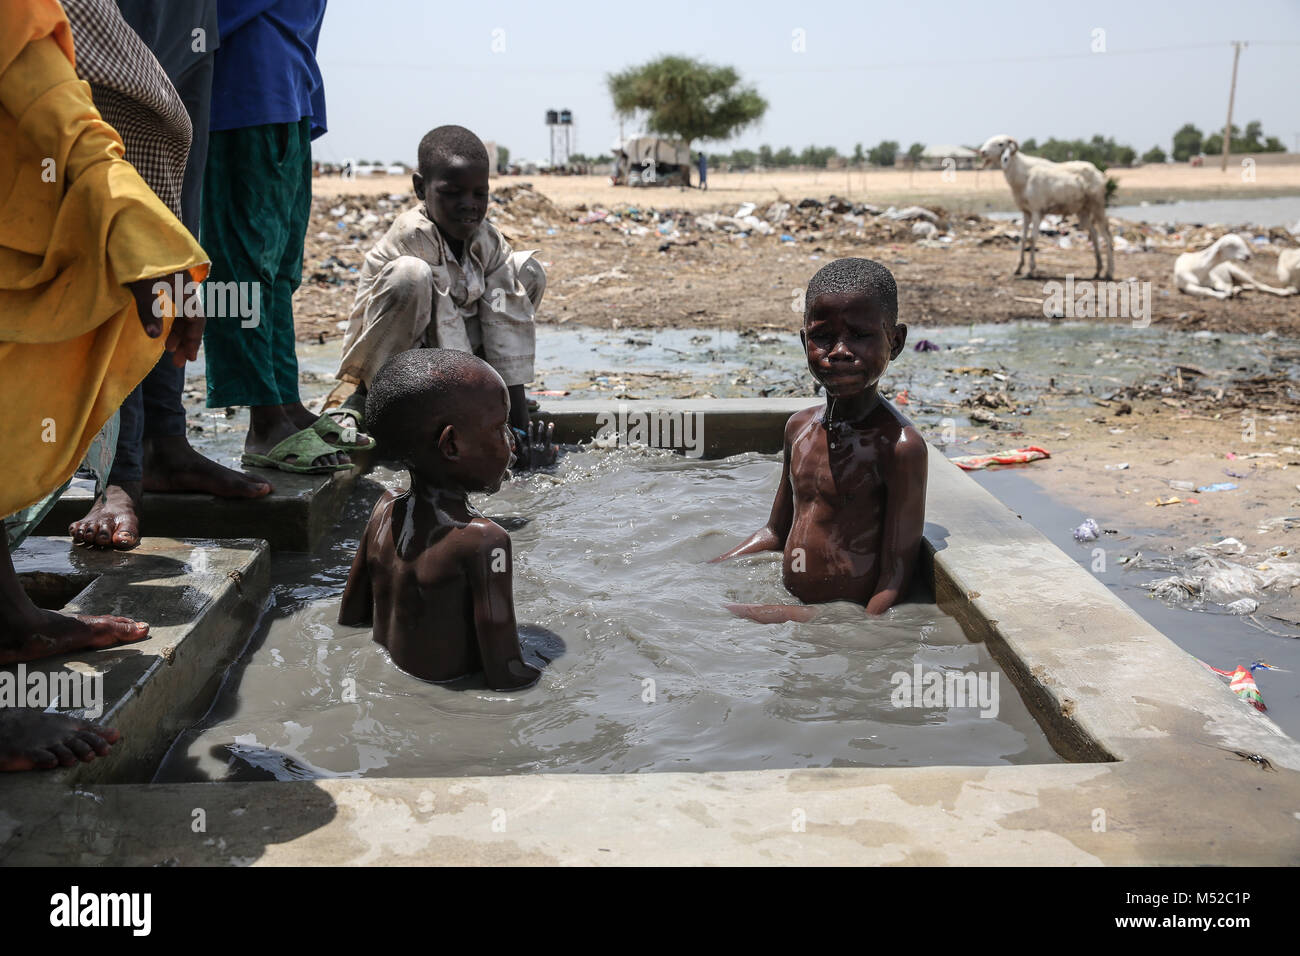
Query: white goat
x=1288 y=270
x=1041 y=186
x=1213 y=270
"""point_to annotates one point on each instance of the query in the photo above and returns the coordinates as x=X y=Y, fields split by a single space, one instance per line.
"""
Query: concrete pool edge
x=1105 y=685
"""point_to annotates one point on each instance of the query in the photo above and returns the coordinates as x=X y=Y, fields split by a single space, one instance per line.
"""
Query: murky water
x=1270 y=211
x=649 y=671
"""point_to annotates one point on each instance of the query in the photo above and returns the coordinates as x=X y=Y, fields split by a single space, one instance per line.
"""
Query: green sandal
x=342 y=437
x=305 y=446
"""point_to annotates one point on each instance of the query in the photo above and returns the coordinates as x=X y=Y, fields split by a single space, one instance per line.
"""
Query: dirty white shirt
x=478 y=300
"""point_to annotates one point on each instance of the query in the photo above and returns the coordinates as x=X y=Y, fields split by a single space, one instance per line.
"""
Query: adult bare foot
x=32 y=739
x=114 y=520
x=31 y=635
x=172 y=465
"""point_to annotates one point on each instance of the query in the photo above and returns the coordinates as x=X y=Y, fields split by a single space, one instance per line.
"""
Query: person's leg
x=395 y=317
x=169 y=464
x=248 y=195
x=288 y=275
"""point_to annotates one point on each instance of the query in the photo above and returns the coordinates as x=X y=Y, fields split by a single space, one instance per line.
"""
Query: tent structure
x=651 y=161
x=933 y=156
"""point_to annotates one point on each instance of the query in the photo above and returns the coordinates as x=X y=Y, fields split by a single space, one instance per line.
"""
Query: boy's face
x=455 y=196
x=478 y=448
x=850 y=341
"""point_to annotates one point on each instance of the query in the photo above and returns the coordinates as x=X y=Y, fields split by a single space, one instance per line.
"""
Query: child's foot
x=32 y=739
x=32 y=634
x=114 y=520
x=172 y=465
x=351 y=414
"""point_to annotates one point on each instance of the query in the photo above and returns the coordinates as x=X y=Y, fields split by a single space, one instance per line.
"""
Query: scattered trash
x=1163 y=502
x=1017 y=456
x=1088 y=531
x=1219 y=581
x=1242 y=606
x=925 y=345
x=1122 y=466
x=1183 y=485
x=1218 y=486
x=902 y=399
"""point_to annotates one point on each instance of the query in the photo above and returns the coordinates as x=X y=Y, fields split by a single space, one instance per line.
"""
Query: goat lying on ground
x=1214 y=272
x=1041 y=186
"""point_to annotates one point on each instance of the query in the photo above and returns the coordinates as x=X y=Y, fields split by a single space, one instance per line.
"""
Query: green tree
x=1154 y=155
x=765 y=156
x=743 y=158
x=1274 y=145
x=785 y=157
x=1213 y=144
x=686 y=98
x=859 y=157
x=503 y=157
x=1188 y=142
x=885 y=153
x=914 y=153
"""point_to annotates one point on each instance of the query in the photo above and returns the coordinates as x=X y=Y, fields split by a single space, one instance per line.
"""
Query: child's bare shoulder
x=482 y=536
x=800 y=419
x=906 y=446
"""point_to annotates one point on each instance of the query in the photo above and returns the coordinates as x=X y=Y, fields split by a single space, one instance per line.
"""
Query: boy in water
x=851 y=504
x=432 y=575
x=443 y=276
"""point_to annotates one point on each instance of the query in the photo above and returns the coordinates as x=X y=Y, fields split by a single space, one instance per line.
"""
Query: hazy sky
x=932 y=71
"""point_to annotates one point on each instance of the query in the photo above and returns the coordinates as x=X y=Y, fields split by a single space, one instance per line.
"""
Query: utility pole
x=1232 y=95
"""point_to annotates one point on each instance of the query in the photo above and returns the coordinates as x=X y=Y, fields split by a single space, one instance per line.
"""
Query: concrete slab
x=1156 y=779
x=725 y=426
x=201 y=600
x=294 y=517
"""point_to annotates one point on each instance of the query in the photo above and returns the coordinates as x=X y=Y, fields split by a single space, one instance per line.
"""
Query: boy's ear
x=447 y=443
x=803 y=338
x=417 y=183
x=900 y=339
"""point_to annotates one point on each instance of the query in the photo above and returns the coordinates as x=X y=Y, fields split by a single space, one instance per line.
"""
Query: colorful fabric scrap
x=1241 y=683
x=1016 y=456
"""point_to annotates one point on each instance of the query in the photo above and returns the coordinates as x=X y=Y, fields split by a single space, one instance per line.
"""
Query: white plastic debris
x=1242 y=606
x=1088 y=531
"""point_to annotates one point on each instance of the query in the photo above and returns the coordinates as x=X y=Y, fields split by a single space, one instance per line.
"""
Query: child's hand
x=152 y=307
x=535 y=448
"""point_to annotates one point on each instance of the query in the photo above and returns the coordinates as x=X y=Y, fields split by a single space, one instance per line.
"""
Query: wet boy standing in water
x=851 y=504
x=432 y=575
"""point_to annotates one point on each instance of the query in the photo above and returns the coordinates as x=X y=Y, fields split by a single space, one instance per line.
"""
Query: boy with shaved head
x=444 y=276
x=432 y=576
x=851 y=504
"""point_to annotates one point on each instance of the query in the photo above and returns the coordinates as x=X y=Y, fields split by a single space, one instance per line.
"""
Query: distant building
x=962 y=158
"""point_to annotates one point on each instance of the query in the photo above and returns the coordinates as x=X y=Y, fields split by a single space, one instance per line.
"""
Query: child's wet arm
x=904 y=522
x=358 y=605
x=491 y=575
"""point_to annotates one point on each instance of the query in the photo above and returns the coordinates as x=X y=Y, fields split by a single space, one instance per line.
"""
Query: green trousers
x=255 y=208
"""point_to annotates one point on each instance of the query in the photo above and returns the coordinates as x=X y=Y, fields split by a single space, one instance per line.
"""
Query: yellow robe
x=76 y=223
